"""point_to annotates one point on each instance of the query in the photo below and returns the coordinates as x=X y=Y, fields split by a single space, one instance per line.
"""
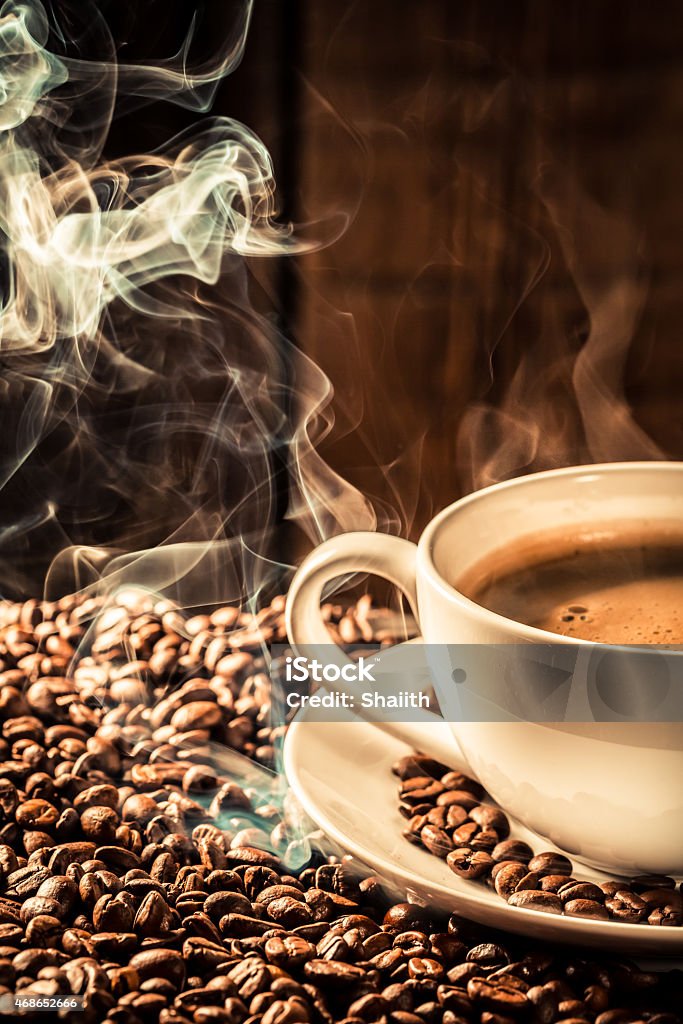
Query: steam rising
x=134 y=399
x=564 y=399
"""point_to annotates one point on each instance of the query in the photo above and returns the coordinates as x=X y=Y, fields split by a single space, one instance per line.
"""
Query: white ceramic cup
x=609 y=794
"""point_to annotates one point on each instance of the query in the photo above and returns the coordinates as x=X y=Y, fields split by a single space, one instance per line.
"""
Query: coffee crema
x=616 y=585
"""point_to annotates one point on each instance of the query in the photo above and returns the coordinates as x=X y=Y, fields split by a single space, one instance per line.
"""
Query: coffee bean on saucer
x=413 y=833
x=484 y=839
x=512 y=849
x=551 y=863
x=436 y=840
x=418 y=765
x=457 y=797
x=456 y=815
x=662 y=897
x=666 y=916
x=553 y=883
x=469 y=863
x=641 y=883
x=507 y=879
x=437 y=816
x=410 y=810
x=536 y=899
x=626 y=906
x=572 y=890
x=586 y=908
x=419 y=790
x=611 y=886
x=489 y=817
x=531 y=880
x=457 y=782
x=465 y=833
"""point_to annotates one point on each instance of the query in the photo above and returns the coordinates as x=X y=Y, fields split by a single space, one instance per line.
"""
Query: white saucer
x=341 y=773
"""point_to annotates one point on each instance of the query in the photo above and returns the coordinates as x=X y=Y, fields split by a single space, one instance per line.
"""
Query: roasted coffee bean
x=288 y=951
x=418 y=791
x=626 y=906
x=469 y=863
x=70 y=853
x=488 y=954
x=117 y=858
x=643 y=883
x=37 y=814
x=661 y=897
x=114 y=945
x=333 y=973
x=417 y=765
x=512 y=850
x=62 y=889
x=536 y=899
x=160 y=963
x=586 y=908
x=289 y=912
x=104 y=795
x=152 y=915
x=100 y=824
x=26 y=881
x=544 y=1002
x=406 y=916
x=114 y=913
x=668 y=916
x=436 y=840
x=551 y=863
x=40 y=905
x=425 y=968
x=554 y=883
x=499 y=997
x=489 y=817
x=507 y=879
x=218 y=904
x=250 y=855
x=581 y=891
x=44 y=931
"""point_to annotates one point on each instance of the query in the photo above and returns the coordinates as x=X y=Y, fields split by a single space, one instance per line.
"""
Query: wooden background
x=436 y=127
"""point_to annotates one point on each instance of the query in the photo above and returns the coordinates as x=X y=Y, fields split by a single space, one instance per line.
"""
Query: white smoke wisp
x=141 y=386
x=76 y=241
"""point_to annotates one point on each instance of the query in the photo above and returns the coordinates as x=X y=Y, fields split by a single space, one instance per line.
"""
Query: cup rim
x=523 y=632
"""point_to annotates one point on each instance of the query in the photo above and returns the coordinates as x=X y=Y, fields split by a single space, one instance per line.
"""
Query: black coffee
x=619 y=586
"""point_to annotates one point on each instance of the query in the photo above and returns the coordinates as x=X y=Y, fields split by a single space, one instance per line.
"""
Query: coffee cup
x=607 y=793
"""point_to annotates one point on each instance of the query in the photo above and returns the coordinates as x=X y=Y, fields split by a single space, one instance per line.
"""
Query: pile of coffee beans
x=154 y=872
x=447 y=816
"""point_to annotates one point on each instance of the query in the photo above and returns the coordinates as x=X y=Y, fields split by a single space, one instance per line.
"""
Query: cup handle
x=394 y=559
